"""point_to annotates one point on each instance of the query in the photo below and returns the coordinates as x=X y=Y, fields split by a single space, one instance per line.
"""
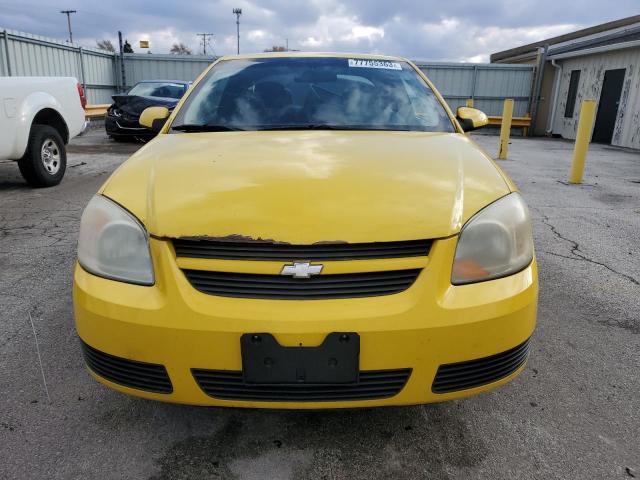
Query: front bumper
x=123 y=128
x=430 y=324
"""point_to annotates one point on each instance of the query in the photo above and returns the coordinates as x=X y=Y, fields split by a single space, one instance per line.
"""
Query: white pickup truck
x=38 y=117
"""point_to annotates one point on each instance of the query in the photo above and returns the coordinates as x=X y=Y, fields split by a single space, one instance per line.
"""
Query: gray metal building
x=600 y=63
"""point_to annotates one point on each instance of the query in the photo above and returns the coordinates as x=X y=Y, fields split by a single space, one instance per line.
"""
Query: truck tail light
x=83 y=99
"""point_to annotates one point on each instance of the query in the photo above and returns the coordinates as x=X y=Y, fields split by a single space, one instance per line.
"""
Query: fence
x=24 y=54
x=101 y=72
x=140 y=66
x=488 y=84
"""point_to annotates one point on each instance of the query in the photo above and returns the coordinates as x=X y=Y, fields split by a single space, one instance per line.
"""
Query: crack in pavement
x=577 y=253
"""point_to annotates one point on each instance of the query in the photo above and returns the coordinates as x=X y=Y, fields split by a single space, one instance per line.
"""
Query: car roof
x=366 y=56
x=184 y=82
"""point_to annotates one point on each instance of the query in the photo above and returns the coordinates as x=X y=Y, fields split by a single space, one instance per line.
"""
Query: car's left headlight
x=494 y=243
x=113 y=244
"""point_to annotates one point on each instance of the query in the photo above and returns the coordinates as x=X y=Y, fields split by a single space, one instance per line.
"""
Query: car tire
x=120 y=138
x=45 y=161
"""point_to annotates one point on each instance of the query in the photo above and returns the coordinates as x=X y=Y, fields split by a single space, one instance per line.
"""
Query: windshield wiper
x=326 y=126
x=215 y=127
x=308 y=126
x=207 y=127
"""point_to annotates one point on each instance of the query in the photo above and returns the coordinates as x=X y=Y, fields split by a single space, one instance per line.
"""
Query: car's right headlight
x=494 y=243
x=113 y=244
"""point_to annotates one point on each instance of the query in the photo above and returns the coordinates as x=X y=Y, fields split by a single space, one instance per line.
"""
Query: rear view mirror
x=154 y=118
x=471 y=118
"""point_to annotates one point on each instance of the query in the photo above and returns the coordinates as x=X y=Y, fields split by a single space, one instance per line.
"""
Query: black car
x=122 y=120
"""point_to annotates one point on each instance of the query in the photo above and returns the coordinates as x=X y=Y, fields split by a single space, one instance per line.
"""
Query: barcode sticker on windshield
x=374 y=64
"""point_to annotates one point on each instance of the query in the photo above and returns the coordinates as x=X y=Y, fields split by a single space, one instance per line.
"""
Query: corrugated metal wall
x=140 y=66
x=487 y=84
x=592 y=69
x=26 y=54
x=99 y=76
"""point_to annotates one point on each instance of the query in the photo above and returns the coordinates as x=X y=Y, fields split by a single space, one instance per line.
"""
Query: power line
x=68 y=14
x=205 y=42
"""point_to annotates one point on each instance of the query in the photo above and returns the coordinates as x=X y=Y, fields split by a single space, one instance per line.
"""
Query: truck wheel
x=45 y=160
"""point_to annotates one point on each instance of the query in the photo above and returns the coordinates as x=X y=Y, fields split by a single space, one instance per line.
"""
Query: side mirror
x=154 y=118
x=471 y=118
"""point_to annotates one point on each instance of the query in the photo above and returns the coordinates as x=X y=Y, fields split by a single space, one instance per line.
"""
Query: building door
x=608 y=106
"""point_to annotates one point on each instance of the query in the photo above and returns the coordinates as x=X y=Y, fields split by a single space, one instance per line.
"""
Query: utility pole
x=68 y=14
x=204 y=40
x=122 y=72
x=237 y=12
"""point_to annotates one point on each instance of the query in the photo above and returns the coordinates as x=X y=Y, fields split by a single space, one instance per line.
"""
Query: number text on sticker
x=374 y=64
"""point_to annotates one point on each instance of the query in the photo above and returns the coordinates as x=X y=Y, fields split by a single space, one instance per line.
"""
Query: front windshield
x=158 y=89
x=312 y=92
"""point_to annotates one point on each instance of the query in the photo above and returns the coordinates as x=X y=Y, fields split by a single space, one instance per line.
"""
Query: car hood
x=135 y=104
x=307 y=186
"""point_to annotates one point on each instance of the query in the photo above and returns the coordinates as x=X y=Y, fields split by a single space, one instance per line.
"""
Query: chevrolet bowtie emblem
x=301 y=270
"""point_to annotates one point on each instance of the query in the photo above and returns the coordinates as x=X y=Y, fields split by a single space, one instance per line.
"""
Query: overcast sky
x=455 y=30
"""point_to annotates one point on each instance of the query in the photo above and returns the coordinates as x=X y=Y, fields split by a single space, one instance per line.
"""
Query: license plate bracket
x=335 y=361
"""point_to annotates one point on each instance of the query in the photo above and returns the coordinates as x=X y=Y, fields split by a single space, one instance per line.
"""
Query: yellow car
x=307 y=231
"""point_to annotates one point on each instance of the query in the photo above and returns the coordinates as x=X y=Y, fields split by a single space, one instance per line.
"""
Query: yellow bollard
x=505 y=129
x=583 y=138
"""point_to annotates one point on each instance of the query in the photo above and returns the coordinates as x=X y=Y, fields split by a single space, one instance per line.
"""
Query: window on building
x=572 y=93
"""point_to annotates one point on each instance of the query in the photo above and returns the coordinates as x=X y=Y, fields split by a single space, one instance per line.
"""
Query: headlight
x=494 y=243
x=113 y=244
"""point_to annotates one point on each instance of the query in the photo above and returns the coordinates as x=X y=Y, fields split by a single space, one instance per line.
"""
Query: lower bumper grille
x=129 y=373
x=351 y=285
x=229 y=385
x=474 y=373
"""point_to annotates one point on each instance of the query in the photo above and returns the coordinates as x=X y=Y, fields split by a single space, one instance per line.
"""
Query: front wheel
x=45 y=161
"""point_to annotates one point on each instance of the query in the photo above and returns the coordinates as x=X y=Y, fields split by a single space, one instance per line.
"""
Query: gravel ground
x=572 y=414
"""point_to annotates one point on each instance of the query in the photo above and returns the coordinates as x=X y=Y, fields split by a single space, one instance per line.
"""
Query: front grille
x=245 y=285
x=129 y=118
x=474 y=373
x=130 y=373
x=229 y=385
x=245 y=250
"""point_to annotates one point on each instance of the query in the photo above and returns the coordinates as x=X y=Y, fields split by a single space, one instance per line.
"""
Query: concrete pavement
x=572 y=414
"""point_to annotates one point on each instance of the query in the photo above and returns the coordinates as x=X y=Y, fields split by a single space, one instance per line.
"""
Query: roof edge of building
x=530 y=48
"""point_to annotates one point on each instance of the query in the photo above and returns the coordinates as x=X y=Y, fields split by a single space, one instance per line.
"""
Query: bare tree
x=276 y=48
x=180 y=49
x=105 y=45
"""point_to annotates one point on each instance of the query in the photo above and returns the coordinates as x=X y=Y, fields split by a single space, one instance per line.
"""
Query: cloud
x=339 y=32
x=360 y=32
x=457 y=30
